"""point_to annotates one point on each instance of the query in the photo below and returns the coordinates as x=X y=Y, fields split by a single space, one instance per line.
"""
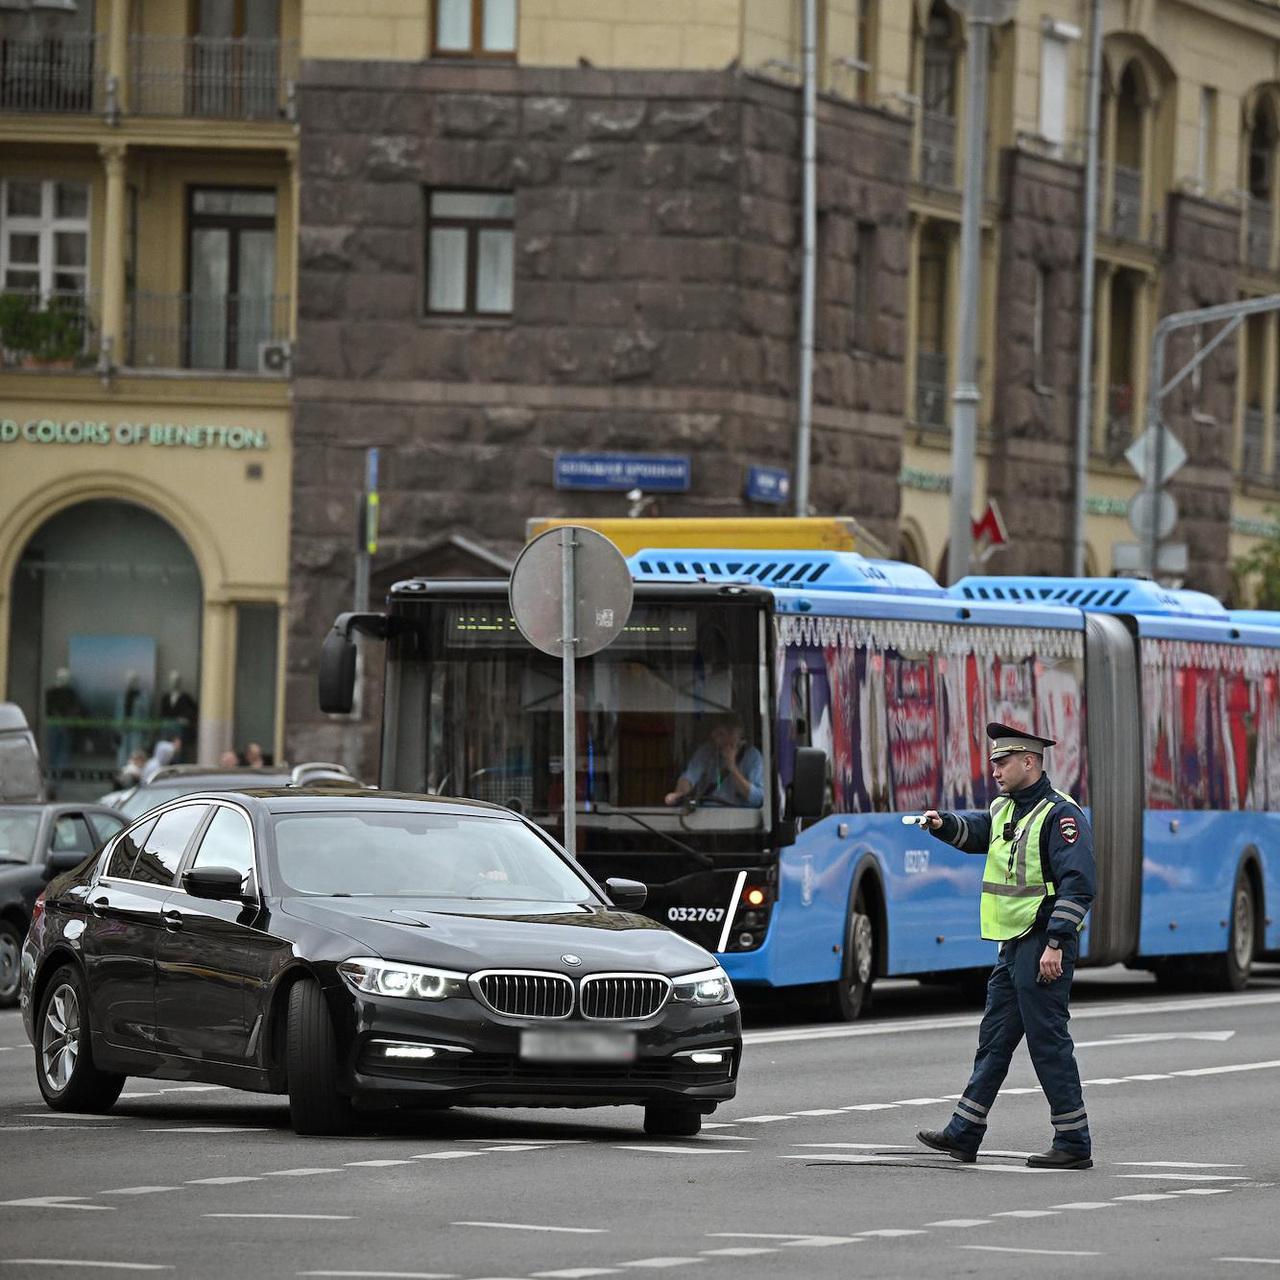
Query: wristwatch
x=1055 y=943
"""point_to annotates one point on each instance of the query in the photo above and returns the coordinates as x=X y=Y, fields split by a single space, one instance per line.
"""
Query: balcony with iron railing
x=1258 y=223
x=931 y=389
x=56 y=331
x=61 y=74
x=937 y=149
x=216 y=332
x=208 y=77
x=1252 y=437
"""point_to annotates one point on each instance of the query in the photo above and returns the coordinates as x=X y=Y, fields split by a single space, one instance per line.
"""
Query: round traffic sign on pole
x=1141 y=506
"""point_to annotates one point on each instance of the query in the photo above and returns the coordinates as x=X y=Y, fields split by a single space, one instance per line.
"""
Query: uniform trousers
x=1018 y=1005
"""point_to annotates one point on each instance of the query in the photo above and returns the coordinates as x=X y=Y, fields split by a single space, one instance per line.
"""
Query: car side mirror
x=212 y=882
x=337 y=672
x=626 y=895
x=60 y=860
x=808 y=783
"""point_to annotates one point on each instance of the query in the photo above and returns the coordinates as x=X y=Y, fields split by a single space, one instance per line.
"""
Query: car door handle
x=99 y=906
x=172 y=920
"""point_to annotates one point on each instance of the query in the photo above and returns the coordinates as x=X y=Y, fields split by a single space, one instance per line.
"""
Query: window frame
x=476 y=51
x=254 y=881
x=473 y=227
x=46 y=226
x=149 y=821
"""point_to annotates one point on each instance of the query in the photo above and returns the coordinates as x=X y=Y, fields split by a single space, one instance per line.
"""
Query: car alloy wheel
x=60 y=1037
x=10 y=964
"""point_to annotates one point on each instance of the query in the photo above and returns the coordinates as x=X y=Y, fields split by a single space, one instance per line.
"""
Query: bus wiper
x=609 y=811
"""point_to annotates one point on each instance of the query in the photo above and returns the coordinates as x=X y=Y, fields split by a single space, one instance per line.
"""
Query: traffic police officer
x=1037 y=887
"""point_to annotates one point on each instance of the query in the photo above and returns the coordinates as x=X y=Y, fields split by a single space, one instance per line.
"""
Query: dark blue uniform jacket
x=1066 y=852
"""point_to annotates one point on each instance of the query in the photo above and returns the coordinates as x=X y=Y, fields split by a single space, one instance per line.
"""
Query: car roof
x=345 y=799
x=63 y=806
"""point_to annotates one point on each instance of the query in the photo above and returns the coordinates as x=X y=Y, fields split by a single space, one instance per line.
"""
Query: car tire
x=316 y=1108
x=10 y=963
x=65 y=1072
x=664 y=1121
x=1230 y=970
x=848 y=998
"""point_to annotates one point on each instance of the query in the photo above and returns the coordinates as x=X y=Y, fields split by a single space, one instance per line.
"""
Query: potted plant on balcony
x=48 y=337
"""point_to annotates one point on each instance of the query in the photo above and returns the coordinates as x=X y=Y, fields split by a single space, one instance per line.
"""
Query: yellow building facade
x=148 y=215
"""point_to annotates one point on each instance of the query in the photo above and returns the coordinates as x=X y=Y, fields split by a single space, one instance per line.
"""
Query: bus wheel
x=849 y=997
x=1230 y=971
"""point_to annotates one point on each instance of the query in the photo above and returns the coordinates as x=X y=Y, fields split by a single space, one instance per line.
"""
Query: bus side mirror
x=337 y=672
x=808 y=783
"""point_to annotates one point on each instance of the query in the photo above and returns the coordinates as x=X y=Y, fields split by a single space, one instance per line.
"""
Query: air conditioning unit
x=274 y=357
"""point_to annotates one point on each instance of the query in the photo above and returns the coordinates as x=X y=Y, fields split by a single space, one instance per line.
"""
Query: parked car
x=184 y=779
x=20 y=777
x=38 y=842
x=358 y=950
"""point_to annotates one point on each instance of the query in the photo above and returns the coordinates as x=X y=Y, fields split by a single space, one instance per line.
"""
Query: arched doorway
x=104 y=640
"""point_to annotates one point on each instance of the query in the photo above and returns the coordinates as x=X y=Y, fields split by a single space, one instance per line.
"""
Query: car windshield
x=405 y=854
x=18 y=829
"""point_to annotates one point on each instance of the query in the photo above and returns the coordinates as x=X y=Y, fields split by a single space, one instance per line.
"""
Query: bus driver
x=725 y=769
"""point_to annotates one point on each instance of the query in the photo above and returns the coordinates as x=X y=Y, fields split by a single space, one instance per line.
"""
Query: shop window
x=44 y=237
x=231 y=310
x=257 y=647
x=470 y=252
x=474 y=29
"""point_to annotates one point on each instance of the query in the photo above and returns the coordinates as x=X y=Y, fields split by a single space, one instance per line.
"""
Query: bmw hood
x=471 y=934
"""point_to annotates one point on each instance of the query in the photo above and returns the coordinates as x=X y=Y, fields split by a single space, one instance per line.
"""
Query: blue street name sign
x=622 y=471
x=768 y=484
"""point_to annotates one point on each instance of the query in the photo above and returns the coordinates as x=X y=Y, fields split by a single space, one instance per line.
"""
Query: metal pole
x=568 y=646
x=1084 y=384
x=964 y=416
x=808 y=249
x=1155 y=471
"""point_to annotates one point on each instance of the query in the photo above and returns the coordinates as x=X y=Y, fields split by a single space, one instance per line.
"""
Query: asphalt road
x=811 y=1172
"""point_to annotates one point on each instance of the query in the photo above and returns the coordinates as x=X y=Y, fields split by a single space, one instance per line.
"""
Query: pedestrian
x=161 y=757
x=253 y=756
x=228 y=760
x=131 y=774
x=1037 y=887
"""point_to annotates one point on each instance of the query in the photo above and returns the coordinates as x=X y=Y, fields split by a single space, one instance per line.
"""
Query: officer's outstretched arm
x=968 y=832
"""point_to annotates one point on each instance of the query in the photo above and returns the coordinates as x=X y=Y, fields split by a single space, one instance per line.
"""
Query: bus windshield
x=670 y=726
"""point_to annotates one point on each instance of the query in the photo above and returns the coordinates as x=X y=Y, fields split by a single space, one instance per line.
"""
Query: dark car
x=38 y=842
x=364 y=950
x=186 y=779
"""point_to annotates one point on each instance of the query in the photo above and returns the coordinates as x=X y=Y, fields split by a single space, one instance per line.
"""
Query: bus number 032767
x=711 y=915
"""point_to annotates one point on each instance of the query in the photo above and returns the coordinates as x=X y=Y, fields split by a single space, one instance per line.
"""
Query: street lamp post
x=981 y=15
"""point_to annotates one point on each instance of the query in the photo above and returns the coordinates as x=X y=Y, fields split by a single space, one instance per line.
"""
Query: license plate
x=577 y=1046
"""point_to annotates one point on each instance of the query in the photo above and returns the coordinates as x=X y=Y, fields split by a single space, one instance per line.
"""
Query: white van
x=19 y=758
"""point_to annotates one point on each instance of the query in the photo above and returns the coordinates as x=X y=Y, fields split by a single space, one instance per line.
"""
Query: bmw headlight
x=708 y=986
x=390 y=978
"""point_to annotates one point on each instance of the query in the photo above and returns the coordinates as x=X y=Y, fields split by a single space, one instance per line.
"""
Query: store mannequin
x=178 y=710
x=61 y=702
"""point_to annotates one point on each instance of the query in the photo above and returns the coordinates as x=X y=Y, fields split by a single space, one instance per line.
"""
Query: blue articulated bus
x=870 y=678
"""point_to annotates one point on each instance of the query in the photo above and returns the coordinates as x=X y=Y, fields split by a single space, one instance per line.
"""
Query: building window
x=864 y=51
x=1053 y=87
x=474 y=29
x=470 y=252
x=932 y=321
x=1041 y=326
x=44 y=237
x=232 y=268
x=864 y=284
x=1205 y=173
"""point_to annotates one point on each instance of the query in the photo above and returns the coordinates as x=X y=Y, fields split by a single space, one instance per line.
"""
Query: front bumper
x=479 y=1062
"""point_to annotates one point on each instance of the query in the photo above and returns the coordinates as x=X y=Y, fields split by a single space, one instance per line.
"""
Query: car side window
x=125 y=854
x=226 y=843
x=166 y=844
x=71 y=832
x=104 y=826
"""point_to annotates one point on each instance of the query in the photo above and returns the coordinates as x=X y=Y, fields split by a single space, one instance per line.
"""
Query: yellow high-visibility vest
x=1013 y=883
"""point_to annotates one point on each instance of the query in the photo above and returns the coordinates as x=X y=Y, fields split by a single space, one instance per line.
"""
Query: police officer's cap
x=1007 y=741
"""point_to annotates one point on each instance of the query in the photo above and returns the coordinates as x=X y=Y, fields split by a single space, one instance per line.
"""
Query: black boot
x=939 y=1141
x=1055 y=1159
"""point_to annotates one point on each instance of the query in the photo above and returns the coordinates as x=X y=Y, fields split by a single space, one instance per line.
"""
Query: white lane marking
x=1153 y=1037
x=1052 y=1253
x=815 y=1242
x=1128 y=1009
x=860 y=1146
x=82 y=1262
x=960 y=1222
x=373 y=1164
x=1150 y=1195
x=52 y=1128
x=722 y=1137
x=1019 y=1155
x=872 y=1106
x=53 y=1115
x=657 y=1263
x=1173 y=1164
x=577 y=1273
x=211 y=1128
x=1203 y=1191
x=222 y=1182
x=1084 y=1204
x=718 y=1124
x=822 y=1111
x=1152 y=1075
x=526 y=1226
x=296 y=1173
x=55 y=1202
x=1003 y=1168
x=1025 y=1213
x=846 y=1157
x=1227 y=1070
x=310 y=1217
x=447 y=1155
x=1185 y=1177
x=739 y=1251
x=919 y=1102
x=192 y=1088
x=386 y=1275
x=136 y=1191
x=761 y=1119
x=148 y=1093
x=891 y=1233
x=1263 y=1262
x=682 y=1151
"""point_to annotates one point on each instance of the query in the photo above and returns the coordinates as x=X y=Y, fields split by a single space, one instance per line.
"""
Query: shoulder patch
x=1069 y=828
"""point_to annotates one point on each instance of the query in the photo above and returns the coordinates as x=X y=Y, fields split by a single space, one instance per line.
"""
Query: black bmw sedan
x=361 y=950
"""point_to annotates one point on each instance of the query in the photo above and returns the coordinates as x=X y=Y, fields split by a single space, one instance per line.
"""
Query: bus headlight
x=707 y=987
x=389 y=978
